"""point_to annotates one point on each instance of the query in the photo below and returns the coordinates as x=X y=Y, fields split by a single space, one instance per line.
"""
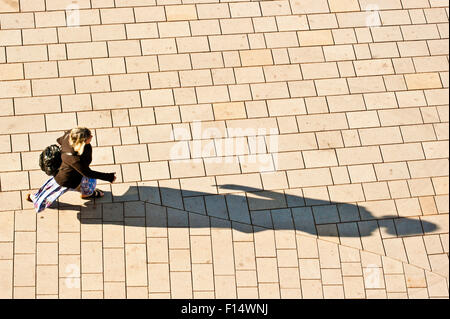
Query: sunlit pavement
x=264 y=149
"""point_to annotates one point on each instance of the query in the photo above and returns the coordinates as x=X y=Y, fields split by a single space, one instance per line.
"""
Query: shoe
x=96 y=194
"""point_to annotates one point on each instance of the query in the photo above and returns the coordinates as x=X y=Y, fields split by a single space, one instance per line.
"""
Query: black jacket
x=74 y=167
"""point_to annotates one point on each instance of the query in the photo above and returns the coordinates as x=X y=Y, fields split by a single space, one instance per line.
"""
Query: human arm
x=85 y=170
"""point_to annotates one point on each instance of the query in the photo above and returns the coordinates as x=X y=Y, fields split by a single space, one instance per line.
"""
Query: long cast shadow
x=244 y=207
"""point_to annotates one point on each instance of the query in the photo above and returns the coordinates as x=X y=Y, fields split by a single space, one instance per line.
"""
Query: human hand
x=114 y=177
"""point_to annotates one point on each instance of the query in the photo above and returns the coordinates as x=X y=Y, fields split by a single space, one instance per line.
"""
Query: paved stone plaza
x=264 y=149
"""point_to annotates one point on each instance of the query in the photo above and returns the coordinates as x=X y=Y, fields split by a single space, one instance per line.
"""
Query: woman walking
x=74 y=173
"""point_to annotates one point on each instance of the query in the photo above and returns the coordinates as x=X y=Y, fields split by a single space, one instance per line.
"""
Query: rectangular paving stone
x=7 y=229
x=236 y=25
x=91 y=282
x=335 y=87
x=193 y=44
x=416 y=252
x=144 y=14
x=304 y=221
x=74 y=68
x=201 y=249
x=74 y=34
x=183 y=12
x=25 y=220
x=267 y=270
x=311 y=289
x=228 y=42
x=178 y=231
x=245 y=256
x=24 y=270
x=173 y=29
x=284 y=234
x=321 y=122
x=429 y=223
x=25 y=242
x=158 y=46
x=438 y=289
x=134 y=230
x=158 y=277
x=126 y=154
x=15 y=89
x=50 y=19
x=213 y=11
x=61 y=5
x=92 y=84
x=378 y=136
x=309 y=177
x=6 y=106
x=340 y=103
x=27 y=54
x=349 y=235
x=22 y=124
x=12 y=6
x=54 y=86
x=315 y=37
x=413 y=48
x=363 y=119
x=281 y=40
x=17 y=21
x=361 y=173
x=87 y=50
x=414 y=133
x=80 y=102
x=370 y=236
x=46 y=279
x=91 y=257
x=359 y=155
x=226 y=286
x=320 y=158
x=115 y=100
x=423 y=81
x=11 y=162
x=12 y=72
x=221 y=241
x=181 y=284
x=62 y=121
x=354 y=287
x=309 y=268
x=325 y=214
x=428 y=168
x=135 y=258
x=246 y=278
x=203 y=278
x=25 y=293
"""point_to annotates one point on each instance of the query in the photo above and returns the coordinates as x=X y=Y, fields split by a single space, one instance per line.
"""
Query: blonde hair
x=78 y=137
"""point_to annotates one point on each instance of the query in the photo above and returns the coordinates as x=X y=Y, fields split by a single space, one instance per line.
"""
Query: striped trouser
x=51 y=190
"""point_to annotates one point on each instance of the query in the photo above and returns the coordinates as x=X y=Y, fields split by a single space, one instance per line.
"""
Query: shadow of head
x=244 y=208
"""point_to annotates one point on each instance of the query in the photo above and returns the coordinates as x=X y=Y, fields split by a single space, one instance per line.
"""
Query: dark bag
x=50 y=160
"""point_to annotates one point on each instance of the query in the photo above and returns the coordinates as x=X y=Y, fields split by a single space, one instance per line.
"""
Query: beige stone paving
x=264 y=149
